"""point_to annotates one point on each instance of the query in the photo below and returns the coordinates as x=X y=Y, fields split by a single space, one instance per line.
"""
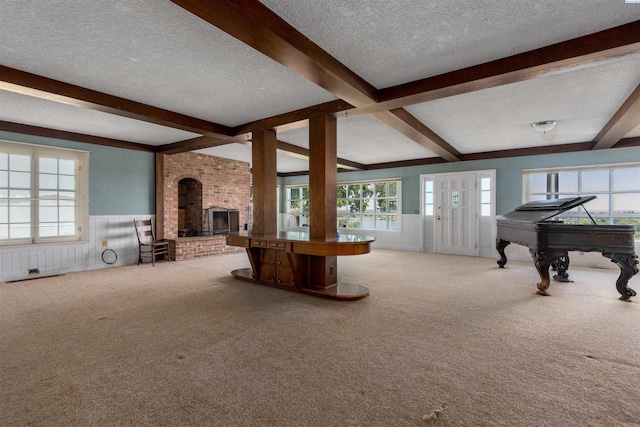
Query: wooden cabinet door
x=275 y=268
x=268 y=256
x=267 y=273
x=284 y=276
x=268 y=265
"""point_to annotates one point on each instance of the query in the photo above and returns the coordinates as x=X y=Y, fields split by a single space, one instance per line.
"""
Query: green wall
x=121 y=182
x=508 y=174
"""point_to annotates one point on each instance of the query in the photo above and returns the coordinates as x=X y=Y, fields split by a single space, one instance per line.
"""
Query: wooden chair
x=148 y=246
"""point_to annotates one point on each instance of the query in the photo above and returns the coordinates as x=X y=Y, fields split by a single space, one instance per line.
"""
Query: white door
x=456 y=214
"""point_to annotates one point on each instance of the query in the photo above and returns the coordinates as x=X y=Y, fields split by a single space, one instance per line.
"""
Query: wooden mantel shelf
x=293 y=261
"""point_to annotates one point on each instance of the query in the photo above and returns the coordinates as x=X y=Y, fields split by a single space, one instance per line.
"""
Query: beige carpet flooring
x=185 y=344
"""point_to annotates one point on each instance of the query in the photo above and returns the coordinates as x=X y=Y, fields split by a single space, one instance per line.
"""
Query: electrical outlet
x=105 y=243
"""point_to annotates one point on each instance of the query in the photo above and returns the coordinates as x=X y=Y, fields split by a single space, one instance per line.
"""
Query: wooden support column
x=299 y=262
x=323 y=175
x=160 y=196
x=263 y=157
x=323 y=178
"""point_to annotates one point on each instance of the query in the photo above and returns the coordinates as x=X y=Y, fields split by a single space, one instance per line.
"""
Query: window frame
x=79 y=201
x=578 y=215
x=303 y=202
x=352 y=218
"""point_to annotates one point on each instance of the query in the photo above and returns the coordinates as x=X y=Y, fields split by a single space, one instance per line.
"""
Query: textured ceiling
x=40 y=112
x=389 y=43
x=157 y=53
x=365 y=138
x=580 y=100
x=152 y=52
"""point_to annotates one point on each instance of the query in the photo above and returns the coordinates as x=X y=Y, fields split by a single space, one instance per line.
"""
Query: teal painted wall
x=508 y=173
x=121 y=182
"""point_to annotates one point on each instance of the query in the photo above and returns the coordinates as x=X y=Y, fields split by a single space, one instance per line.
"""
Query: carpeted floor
x=184 y=344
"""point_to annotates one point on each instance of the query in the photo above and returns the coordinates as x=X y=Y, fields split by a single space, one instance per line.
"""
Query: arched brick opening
x=189 y=207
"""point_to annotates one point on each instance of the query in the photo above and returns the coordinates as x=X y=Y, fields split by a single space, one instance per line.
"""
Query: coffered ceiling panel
x=242 y=152
x=152 y=52
x=32 y=111
x=388 y=43
x=365 y=140
x=580 y=99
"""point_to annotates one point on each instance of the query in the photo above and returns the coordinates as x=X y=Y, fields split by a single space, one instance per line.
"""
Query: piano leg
x=500 y=245
x=628 y=268
x=542 y=261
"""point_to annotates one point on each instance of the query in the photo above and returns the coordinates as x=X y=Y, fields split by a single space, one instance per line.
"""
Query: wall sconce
x=545 y=126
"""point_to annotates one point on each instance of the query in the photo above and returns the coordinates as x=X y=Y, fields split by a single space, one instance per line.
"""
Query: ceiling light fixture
x=545 y=126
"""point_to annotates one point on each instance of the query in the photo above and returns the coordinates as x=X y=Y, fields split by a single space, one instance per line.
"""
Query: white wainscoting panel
x=487 y=238
x=117 y=232
x=408 y=238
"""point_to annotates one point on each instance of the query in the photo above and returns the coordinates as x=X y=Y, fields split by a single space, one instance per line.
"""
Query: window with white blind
x=43 y=194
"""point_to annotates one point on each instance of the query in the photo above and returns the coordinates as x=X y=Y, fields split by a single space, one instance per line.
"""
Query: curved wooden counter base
x=292 y=261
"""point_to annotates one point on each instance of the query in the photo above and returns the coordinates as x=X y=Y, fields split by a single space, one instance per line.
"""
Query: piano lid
x=540 y=210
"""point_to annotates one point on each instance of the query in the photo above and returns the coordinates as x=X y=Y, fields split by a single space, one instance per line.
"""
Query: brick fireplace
x=192 y=183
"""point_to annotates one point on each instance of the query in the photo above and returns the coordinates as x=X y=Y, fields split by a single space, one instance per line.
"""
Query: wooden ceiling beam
x=405 y=123
x=517 y=152
x=200 y=143
x=24 y=83
x=628 y=142
x=614 y=42
x=303 y=153
x=73 y=136
x=256 y=25
x=524 y=66
x=486 y=155
x=529 y=151
x=295 y=119
x=626 y=118
x=208 y=142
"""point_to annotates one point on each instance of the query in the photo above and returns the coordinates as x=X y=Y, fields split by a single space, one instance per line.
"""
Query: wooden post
x=323 y=177
x=263 y=157
x=160 y=196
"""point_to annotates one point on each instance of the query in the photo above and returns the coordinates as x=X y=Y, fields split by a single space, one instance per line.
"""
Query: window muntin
x=56 y=189
x=617 y=189
x=368 y=205
x=485 y=196
x=42 y=194
x=429 y=198
x=360 y=205
x=297 y=206
x=15 y=197
x=625 y=179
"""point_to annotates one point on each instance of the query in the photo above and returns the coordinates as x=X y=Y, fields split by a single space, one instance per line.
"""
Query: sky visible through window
x=617 y=192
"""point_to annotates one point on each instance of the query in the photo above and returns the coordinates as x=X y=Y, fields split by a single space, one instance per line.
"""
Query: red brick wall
x=194 y=247
x=225 y=183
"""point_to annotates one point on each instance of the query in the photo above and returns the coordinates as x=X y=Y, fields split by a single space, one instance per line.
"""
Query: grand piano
x=549 y=240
